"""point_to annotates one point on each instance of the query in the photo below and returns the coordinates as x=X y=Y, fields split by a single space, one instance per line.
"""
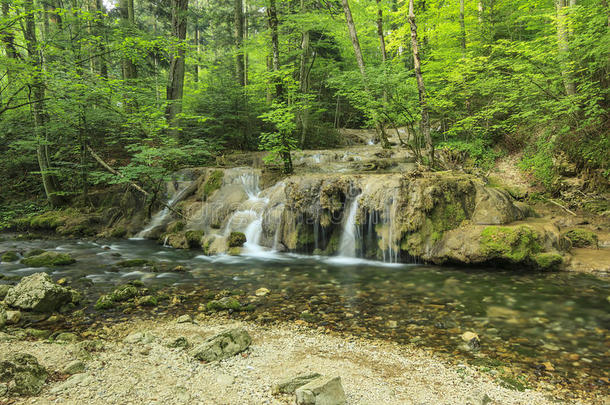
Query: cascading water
x=390 y=250
x=161 y=217
x=249 y=217
x=349 y=236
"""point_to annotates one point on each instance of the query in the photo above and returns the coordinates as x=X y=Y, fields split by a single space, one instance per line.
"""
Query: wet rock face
x=22 y=375
x=38 y=293
x=224 y=345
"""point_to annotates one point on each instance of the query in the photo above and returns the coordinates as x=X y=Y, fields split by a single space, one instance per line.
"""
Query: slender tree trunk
x=425 y=119
x=128 y=19
x=304 y=79
x=462 y=26
x=197 y=44
x=239 y=40
x=360 y=60
x=384 y=55
x=563 y=44
x=246 y=62
x=175 y=83
x=275 y=63
x=37 y=97
x=8 y=38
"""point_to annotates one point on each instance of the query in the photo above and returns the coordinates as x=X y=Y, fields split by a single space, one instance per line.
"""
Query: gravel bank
x=152 y=373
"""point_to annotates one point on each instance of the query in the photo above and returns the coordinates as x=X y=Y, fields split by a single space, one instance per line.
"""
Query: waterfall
x=347 y=245
x=162 y=216
x=249 y=216
x=390 y=251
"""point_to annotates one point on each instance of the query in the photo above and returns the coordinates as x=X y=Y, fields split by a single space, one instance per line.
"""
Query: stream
x=523 y=319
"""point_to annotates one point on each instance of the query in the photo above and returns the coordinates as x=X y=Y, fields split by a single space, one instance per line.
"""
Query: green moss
x=582 y=238
x=104 y=302
x=133 y=263
x=234 y=251
x=124 y=293
x=225 y=303
x=148 y=301
x=516 y=244
x=305 y=236
x=193 y=238
x=333 y=243
x=236 y=239
x=177 y=226
x=213 y=183
x=548 y=261
x=10 y=256
x=513 y=383
x=118 y=232
x=49 y=259
x=34 y=252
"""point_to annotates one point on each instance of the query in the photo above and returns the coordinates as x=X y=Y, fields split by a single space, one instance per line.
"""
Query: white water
x=160 y=217
x=249 y=218
x=347 y=245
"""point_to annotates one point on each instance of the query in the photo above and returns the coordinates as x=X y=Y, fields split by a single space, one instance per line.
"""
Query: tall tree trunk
x=563 y=44
x=275 y=46
x=246 y=62
x=304 y=79
x=37 y=98
x=239 y=41
x=275 y=63
x=384 y=55
x=175 y=83
x=462 y=26
x=126 y=8
x=8 y=38
x=197 y=42
x=360 y=60
x=421 y=88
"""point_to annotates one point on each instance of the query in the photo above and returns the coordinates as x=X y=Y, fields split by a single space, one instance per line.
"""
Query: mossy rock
x=213 y=183
x=120 y=294
x=118 y=232
x=105 y=302
x=515 y=244
x=194 y=238
x=34 y=252
x=176 y=226
x=225 y=303
x=582 y=238
x=236 y=239
x=548 y=261
x=134 y=263
x=147 y=301
x=10 y=256
x=49 y=259
x=234 y=251
x=22 y=374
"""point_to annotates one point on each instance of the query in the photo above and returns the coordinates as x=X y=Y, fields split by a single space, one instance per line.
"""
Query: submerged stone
x=10 y=256
x=49 y=259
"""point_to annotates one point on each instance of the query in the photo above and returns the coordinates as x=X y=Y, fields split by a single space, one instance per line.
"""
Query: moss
x=124 y=293
x=133 y=263
x=213 y=183
x=34 y=252
x=177 y=226
x=234 y=251
x=225 y=303
x=148 y=301
x=305 y=236
x=548 y=261
x=236 y=239
x=333 y=243
x=104 y=302
x=118 y=232
x=193 y=238
x=10 y=256
x=49 y=259
x=516 y=244
x=582 y=238
x=513 y=383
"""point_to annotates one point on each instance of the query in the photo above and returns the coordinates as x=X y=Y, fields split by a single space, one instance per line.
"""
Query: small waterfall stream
x=349 y=237
x=161 y=217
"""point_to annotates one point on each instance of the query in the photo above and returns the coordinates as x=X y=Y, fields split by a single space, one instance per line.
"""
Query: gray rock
x=224 y=345
x=178 y=343
x=2 y=317
x=74 y=367
x=38 y=293
x=13 y=317
x=139 y=337
x=22 y=374
x=290 y=385
x=4 y=289
x=184 y=319
x=321 y=391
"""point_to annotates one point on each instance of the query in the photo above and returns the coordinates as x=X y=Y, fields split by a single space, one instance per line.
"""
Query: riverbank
x=372 y=371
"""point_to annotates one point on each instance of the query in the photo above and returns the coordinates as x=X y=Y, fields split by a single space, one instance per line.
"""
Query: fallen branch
x=131 y=183
x=562 y=207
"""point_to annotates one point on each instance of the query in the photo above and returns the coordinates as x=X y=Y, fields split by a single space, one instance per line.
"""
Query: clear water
x=524 y=319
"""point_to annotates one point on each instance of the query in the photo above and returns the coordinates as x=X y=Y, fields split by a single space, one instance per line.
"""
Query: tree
x=175 y=82
x=425 y=118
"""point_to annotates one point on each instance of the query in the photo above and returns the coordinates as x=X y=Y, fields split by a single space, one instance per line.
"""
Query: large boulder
x=22 y=374
x=224 y=345
x=48 y=259
x=38 y=293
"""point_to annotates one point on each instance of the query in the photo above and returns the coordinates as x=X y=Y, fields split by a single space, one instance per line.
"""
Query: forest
x=150 y=87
